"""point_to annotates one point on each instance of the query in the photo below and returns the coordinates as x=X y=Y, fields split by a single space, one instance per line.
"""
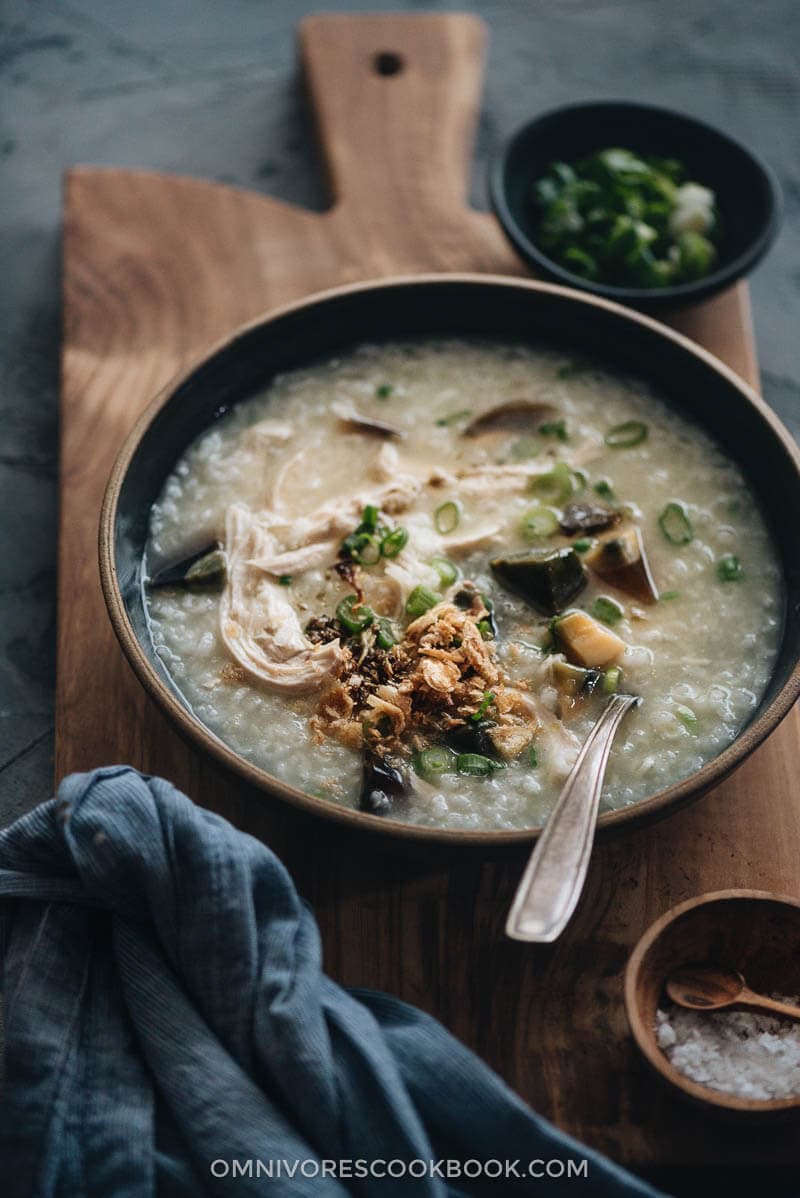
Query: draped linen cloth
x=167 y=1021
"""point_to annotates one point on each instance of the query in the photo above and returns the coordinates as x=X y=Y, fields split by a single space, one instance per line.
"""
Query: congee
x=407 y=579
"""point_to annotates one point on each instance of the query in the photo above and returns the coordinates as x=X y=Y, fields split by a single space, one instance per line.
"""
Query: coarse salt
x=742 y=1053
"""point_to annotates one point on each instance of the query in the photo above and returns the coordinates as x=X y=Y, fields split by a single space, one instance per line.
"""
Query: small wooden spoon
x=710 y=988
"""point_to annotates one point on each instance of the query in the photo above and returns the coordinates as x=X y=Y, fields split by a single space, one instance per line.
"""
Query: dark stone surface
x=209 y=88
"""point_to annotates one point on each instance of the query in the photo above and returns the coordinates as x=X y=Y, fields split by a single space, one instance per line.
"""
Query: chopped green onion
x=394 y=541
x=285 y=580
x=611 y=679
x=365 y=549
x=604 y=488
x=369 y=518
x=384 y=390
x=487 y=627
x=626 y=220
x=554 y=428
x=539 y=521
x=447 y=516
x=436 y=760
x=533 y=757
x=486 y=703
x=696 y=254
x=385 y=637
x=666 y=596
x=555 y=486
x=686 y=717
x=582 y=545
x=353 y=615
x=420 y=600
x=454 y=417
x=476 y=764
x=525 y=448
x=607 y=610
x=729 y=568
x=448 y=571
x=625 y=436
x=675 y=525
x=581 y=263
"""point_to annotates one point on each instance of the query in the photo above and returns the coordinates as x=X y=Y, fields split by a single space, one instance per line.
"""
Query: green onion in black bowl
x=622 y=241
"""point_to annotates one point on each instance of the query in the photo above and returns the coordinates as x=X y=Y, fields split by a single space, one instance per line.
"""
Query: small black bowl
x=748 y=196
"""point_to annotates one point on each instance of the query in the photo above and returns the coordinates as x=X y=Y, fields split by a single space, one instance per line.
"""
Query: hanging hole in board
x=387 y=63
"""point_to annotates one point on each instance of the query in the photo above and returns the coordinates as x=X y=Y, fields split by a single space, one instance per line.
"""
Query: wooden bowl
x=753 y=931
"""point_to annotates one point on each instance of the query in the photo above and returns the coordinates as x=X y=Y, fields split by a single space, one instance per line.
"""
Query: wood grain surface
x=155 y=269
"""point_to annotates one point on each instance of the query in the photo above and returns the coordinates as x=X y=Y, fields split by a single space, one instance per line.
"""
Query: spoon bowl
x=704 y=987
x=708 y=987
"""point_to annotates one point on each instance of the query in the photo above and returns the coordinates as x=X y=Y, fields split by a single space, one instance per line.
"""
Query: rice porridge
x=407 y=579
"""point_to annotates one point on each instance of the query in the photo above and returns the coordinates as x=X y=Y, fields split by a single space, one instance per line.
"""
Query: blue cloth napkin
x=169 y=1029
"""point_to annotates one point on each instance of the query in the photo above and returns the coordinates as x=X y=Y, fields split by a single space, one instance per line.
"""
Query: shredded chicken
x=259 y=625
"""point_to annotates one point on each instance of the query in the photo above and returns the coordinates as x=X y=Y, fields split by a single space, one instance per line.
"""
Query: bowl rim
x=646 y=1043
x=660 y=804
x=660 y=297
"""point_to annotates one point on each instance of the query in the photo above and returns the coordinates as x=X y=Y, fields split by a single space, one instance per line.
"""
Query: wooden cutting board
x=158 y=267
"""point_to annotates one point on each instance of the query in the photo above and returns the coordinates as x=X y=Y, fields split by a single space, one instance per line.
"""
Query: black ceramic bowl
x=748 y=196
x=465 y=306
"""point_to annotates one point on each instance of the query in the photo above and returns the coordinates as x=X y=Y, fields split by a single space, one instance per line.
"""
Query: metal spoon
x=710 y=988
x=553 y=880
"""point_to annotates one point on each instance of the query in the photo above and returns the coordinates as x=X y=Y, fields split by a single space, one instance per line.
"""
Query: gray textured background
x=208 y=87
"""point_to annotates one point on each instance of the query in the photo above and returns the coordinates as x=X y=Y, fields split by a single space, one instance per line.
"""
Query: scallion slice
x=394 y=541
x=611 y=678
x=603 y=487
x=476 y=764
x=420 y=600
x=447 y=516
x=384 y=390
x=582 y=545
x=369 y=518
x=729 y=568
x=436 y=760
x=625 y=436
x=539 y=521
x=554 y=428
x=366 y=549
x=686 y=717
x=607 y=610
x=675 y=524
x=486 y=703
x=353 y=615
x=454 y=417
x=385 y=637
x=555 y=486
x=448 y=571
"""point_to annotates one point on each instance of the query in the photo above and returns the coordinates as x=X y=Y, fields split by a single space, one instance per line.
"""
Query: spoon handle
x=750 y=1001
x=554 y=877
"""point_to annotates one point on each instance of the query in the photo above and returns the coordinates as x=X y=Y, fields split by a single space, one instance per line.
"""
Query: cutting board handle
x=395 y=98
